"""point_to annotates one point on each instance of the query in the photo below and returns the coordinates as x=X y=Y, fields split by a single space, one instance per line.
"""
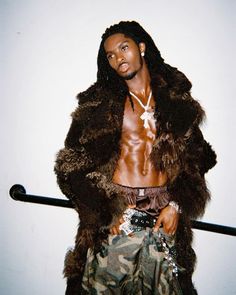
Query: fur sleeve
x=189 y=188
x=79 y=180
x=201 y=152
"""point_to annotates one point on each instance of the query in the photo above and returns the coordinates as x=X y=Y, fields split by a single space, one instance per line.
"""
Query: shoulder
x=88 y=101
x=95 y=93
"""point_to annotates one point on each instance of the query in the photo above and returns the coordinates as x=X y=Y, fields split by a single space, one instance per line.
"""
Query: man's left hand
x=169 y=218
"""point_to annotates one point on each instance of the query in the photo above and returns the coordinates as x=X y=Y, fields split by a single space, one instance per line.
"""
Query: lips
x=123 y=67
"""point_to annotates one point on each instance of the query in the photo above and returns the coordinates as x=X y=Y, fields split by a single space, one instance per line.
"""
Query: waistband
x=143 y=190
x=148 y=199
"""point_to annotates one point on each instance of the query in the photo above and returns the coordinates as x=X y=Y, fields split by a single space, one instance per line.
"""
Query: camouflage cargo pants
x=132 y=265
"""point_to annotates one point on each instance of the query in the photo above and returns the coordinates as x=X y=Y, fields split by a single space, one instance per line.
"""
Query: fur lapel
x=103 y=115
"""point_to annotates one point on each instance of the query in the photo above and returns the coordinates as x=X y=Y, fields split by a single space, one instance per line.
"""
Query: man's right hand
x=115 y=229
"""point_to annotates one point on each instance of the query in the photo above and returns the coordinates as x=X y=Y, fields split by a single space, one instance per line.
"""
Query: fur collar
x=101 y=111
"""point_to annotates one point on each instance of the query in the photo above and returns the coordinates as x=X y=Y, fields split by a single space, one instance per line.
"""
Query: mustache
x=123 y=62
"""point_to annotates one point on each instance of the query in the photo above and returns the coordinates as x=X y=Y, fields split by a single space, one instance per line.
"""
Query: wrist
x=176 y=206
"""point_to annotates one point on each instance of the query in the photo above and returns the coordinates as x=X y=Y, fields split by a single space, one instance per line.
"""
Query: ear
x=142 y=47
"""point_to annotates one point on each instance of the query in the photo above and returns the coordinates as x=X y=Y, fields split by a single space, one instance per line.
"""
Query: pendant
x=147 y=116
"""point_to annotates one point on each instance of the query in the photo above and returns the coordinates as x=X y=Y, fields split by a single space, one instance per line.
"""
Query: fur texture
x=86 y=165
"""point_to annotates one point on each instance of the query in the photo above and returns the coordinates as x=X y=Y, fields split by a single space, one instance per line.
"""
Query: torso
x=134 y=167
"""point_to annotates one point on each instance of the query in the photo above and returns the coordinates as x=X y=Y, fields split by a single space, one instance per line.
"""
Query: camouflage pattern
x=131 y=264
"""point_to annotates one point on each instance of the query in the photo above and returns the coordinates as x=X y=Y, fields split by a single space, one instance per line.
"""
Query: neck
x=140 y=83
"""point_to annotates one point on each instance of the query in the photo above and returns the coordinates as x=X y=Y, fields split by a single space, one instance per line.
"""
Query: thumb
x=158 y=224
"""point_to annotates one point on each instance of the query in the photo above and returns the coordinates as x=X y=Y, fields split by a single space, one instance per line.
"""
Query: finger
x=157 y=225
x=166 y=230
x=172 y=232
x=112 y=231
x=173 y=229
x=168 y=227
x=117 y=230
x=174 y=226
x=121 y=220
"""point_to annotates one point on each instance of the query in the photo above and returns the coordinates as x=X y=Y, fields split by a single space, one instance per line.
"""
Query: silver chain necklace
x=146 y=116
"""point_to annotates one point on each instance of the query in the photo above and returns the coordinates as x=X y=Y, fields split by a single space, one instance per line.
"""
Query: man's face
x=124 y=55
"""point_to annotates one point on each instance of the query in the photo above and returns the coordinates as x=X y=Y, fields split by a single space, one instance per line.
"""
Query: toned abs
x=134 y=168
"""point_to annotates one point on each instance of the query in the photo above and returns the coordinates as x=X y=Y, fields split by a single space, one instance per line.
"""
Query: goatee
x=130 y=76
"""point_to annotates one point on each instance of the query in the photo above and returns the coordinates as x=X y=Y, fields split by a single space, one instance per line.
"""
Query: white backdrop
x=48 y=54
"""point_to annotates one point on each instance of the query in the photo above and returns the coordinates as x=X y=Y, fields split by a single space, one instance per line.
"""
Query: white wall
x=48 y=54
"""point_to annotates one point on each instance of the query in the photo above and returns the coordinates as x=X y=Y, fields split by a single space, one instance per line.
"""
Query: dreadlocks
x=108 y=78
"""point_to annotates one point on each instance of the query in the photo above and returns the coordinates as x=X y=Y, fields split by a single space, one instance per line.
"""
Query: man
x=133 y=166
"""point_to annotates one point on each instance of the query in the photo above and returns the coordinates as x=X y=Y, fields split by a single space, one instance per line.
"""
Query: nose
x=119 y=57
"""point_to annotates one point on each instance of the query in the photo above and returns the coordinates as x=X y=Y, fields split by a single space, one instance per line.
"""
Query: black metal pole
x=18 y=193
x=216 y=228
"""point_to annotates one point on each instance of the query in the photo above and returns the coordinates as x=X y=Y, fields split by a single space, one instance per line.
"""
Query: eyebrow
x=119 y=45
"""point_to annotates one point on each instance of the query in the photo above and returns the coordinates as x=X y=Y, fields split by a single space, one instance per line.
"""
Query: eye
x=124 y=47
x=110 y=56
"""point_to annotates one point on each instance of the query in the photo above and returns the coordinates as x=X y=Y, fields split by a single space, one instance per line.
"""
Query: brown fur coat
x=86 y=164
